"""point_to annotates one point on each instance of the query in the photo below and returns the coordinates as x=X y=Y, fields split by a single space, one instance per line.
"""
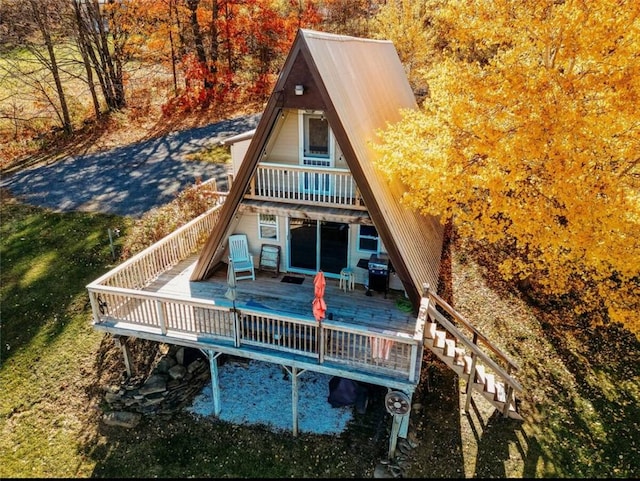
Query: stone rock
x=123 y=419
x=382 y=471
x=110 y=396
x=153 y=399
x=155 y=383
x=177 y=372
x=180 y=355
x=161 y=393
x=165 y=364
x=195 y=366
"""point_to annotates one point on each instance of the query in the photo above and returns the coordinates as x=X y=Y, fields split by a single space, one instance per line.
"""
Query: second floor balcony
x=298 y=184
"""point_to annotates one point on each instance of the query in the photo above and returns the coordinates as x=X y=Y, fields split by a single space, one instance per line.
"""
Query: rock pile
x=177 y=377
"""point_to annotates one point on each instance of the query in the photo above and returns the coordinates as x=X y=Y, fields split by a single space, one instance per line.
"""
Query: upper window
x=315 y=140
x=368 y=239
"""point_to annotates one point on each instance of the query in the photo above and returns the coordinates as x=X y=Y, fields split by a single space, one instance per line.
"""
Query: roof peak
x=307 y=33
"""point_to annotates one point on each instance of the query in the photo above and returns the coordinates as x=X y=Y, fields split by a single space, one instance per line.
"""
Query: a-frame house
x=306 y=196
x=350 y=88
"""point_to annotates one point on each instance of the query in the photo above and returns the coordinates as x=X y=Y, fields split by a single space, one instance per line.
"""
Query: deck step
x=459 y=370
x=440 y=337
x=458 y=357
x=430 y=330
x=501 y=394
x=461 y=363
x=490 y=383
x=450 y=347
x=468 y=360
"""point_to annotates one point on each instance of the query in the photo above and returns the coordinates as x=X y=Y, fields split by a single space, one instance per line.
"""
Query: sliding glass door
x=317 y=245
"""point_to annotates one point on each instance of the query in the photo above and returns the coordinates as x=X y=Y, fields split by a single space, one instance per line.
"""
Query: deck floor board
x=353 y=307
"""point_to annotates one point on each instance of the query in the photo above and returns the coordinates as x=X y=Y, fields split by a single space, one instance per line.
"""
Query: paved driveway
x=128 y=180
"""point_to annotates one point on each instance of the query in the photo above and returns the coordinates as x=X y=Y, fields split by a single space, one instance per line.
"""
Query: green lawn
x=581 y=400
x=48 y=345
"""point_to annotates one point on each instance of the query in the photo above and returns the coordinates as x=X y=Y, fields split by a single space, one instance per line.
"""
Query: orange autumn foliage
x=529 y=139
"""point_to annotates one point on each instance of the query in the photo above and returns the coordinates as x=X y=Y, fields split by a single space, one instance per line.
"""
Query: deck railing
x=143 y=268
x=138 y=312
x=305 y=185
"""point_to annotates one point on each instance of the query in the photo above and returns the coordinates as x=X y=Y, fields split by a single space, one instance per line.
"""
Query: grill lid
x=378 y=263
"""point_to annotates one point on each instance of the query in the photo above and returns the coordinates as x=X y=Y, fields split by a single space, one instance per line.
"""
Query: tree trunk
x=41 y=19
x=197 y=37
x=107 y=65
x=83 y=46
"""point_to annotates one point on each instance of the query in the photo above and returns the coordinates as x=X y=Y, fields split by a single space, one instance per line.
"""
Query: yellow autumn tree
x=403 y=22
x=530 y=140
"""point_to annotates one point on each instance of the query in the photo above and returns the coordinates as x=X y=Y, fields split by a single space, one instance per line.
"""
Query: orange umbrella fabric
x=319 y=306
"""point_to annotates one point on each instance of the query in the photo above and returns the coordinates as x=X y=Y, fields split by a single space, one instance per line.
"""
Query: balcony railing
x=305 y=185
x=143 y=268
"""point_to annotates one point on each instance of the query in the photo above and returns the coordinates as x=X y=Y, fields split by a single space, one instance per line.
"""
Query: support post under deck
x=293 y=372
x=215 y=380
x=121 y=342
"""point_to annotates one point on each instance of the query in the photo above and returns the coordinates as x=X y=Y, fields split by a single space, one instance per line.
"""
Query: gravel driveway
x=128 y=180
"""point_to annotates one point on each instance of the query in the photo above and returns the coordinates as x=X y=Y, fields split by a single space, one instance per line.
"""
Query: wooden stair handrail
x=479 y=354
x=441 y=302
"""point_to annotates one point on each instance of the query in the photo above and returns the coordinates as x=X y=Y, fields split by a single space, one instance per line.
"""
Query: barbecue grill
x=378 y=268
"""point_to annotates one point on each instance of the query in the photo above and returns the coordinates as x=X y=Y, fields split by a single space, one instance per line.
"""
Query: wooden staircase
x=458 y=344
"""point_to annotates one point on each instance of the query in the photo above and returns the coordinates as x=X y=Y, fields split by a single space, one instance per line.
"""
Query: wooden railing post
x=161 y=319
x=471 y=379
x=94 y=307
x=412 y=362
x=236 y=326
x=508 y=398
x=321 y=347
x=472 y=375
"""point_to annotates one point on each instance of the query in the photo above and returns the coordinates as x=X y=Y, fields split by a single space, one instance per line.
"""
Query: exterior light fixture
x=299 y=89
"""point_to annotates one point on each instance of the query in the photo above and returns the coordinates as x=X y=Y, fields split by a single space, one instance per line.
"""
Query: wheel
x=397 y=402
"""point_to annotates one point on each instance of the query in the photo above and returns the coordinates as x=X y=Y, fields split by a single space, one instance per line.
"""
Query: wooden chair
x=241 y=257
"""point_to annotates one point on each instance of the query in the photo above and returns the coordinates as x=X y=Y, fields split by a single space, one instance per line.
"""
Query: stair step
x=515 y=415
x=458 y=357
x=468 y=360
x=501 y=394
x=480 y=377
x=440 y=337
x=430 y=330
x=490 y=383
x=512 y=409
x=450 y=347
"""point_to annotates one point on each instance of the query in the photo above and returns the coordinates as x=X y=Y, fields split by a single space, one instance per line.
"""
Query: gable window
x=316 y=139
x=316 y=136
x=316 y=152
x=368 y=240
x=268 y=227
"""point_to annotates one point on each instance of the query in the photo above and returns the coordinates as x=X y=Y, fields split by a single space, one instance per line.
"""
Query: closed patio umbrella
x=319 y=306
x=231 y=282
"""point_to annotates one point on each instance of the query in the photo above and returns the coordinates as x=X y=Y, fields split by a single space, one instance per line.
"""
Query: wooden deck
x=150 y=296
x=266 y=292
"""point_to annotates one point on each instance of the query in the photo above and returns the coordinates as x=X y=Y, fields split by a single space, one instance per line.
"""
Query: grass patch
x=48 y=345
x=215 y=154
